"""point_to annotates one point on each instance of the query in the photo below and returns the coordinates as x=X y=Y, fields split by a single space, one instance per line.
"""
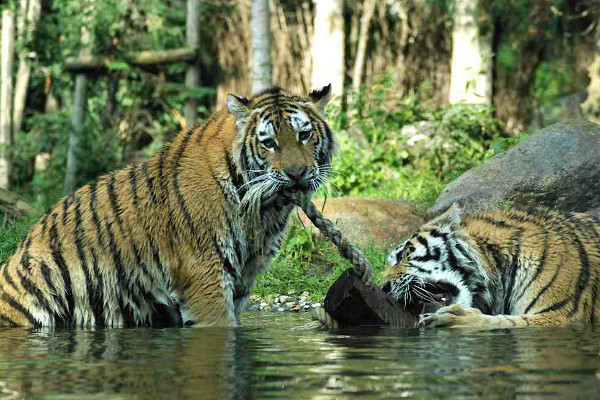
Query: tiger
x=178 y=239
x=500 y=269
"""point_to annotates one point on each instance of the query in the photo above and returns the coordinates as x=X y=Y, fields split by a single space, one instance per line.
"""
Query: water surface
x=264 y=359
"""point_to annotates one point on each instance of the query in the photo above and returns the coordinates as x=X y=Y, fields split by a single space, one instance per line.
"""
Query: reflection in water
x=267 y=360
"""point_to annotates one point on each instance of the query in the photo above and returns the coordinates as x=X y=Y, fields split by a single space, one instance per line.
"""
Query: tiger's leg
x=455 y=316
x=205 y=291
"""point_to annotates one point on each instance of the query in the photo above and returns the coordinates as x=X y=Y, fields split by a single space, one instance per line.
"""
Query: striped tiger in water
x=180 y=238
x=501 y=269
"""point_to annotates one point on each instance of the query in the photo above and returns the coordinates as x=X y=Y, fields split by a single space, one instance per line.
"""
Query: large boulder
x=377 y=221
x=557 y=167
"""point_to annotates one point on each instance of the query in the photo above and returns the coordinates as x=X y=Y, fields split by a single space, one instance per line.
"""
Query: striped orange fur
x=180 y=238
x=502 y=269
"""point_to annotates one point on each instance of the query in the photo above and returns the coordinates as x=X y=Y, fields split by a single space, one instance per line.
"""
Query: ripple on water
x=266 y=359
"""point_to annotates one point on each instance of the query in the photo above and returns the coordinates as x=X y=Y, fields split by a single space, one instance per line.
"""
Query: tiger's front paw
x=454 y=316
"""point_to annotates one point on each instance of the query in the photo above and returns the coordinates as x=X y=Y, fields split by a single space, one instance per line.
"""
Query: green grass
x=311 y=263
x=11 y=234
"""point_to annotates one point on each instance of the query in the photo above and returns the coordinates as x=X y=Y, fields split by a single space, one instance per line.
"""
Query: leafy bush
x=378 y=157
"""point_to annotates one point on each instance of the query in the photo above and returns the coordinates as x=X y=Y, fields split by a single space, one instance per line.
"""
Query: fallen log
x=14 y=207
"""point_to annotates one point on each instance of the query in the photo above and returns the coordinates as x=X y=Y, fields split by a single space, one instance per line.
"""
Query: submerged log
x=351 y=302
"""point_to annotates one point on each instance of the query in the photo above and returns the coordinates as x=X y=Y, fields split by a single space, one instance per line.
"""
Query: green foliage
x=146 y=102
x=377 y=158
x=463 y=137
x=98 y=153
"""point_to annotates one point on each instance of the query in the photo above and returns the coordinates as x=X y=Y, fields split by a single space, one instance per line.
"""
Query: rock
x=595 y=212
x=381 y=221
x=558 y=167
x=352 y=303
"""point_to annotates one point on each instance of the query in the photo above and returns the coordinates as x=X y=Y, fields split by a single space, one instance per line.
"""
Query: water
x=266 y=360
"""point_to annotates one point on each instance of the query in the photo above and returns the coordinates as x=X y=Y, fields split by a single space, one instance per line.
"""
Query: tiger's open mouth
x=421 y=297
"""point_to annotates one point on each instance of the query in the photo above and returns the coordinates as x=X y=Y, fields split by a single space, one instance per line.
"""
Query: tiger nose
x=296 y=172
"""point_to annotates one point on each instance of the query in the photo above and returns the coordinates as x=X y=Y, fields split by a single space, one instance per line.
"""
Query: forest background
x=424 y=90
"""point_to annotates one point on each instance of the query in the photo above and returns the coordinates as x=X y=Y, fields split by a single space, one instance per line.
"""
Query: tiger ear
x=238 y=106
x=451 y=218
x=320 y=98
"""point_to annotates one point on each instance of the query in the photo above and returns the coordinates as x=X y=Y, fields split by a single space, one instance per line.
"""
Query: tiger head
x=283 y=143
x=438 y=264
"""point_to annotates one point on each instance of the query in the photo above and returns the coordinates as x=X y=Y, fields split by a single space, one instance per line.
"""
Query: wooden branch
x=100 y=64
x=184 y=54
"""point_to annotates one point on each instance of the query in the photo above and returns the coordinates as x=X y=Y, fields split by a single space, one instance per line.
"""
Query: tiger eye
x=304 y=135
x=269 y=144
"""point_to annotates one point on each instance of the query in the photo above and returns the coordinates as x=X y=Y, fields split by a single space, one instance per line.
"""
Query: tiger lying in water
x=501 y=269
x=498 y=270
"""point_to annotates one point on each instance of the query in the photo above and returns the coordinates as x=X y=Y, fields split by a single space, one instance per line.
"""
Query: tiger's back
x=167 y=241
x=548 y=263
x=105 y=253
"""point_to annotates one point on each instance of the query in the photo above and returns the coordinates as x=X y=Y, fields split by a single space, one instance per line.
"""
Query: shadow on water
x=265 y=359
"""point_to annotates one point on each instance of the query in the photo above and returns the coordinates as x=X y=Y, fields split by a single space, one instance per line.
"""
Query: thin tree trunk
x=30 y=13
x=591 y=106
x=471 y=71
x=78 y=121
x=79 y=109
x=192 y=76
x=328 y=46
x=261 y=45
x=359 y=61
x=6 y=95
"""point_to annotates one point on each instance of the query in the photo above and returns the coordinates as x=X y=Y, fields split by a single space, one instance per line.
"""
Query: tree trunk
x=359 y=61
x=328 y=46
x=512 y=86
x=261 y=45
x=6 y=95
x=192 y=75
x=591 y=106
x=471 y=70
x=30 y=13
x=79 y=108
